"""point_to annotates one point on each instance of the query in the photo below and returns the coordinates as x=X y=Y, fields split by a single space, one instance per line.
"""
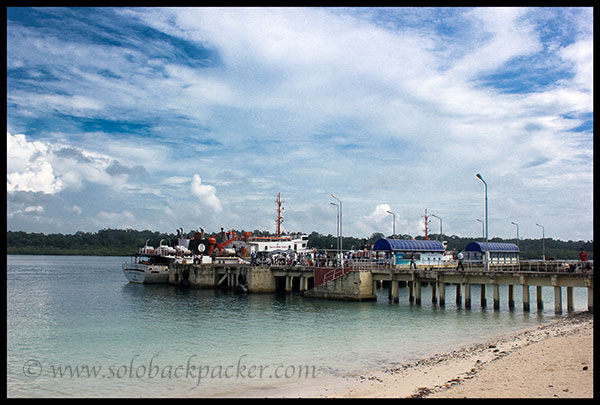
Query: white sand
x=552 y=360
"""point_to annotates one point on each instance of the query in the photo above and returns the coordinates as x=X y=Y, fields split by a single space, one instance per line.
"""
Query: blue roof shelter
x=408 y=245
x=495 y=247
x=424 y=252
x=499 y=253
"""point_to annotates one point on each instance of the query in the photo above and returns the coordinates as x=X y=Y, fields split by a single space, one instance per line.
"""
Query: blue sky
x=160 y=118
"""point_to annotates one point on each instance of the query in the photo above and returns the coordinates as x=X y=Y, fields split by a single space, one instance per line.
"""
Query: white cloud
x=28 y=166
x=205 y=193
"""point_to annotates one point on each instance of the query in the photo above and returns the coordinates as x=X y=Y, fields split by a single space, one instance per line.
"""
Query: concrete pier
x=439 y=278
x=361 y=284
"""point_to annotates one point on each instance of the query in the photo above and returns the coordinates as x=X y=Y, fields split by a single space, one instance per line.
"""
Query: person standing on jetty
x=583 y=257
x=460 y=258
x=413 y=265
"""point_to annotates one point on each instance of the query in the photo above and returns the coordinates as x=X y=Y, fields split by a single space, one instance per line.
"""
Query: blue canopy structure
x=409 y=245
x=495 y=247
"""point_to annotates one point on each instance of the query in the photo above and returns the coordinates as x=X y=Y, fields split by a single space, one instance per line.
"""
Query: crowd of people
x=292 y=258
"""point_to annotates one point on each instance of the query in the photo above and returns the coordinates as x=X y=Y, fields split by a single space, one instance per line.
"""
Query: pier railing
x=547 y=266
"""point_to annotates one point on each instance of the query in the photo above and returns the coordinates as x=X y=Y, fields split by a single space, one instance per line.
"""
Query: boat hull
x=146 y=273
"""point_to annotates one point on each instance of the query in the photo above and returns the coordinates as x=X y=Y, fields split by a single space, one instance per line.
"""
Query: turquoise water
x=76 y=327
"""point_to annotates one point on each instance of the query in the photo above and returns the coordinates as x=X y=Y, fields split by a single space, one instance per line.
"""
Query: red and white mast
x=426 y=236
x=279 y=219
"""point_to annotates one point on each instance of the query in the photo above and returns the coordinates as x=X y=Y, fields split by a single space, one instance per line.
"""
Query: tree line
x=123 y=242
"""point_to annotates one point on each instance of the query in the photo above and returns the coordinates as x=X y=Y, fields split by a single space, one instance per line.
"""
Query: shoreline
x=554 y=359
x=550 y=360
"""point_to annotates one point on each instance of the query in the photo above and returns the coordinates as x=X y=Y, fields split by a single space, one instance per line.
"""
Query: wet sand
x=549 y=361
x=553 y=360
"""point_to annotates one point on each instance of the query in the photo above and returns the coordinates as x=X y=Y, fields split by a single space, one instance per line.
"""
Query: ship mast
x=279 y=219
x=426 y=236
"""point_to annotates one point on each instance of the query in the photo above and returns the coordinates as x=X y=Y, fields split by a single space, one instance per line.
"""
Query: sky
x=161 y=118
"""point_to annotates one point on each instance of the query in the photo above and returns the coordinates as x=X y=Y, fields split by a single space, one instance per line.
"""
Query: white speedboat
x=151 y=266
x=148 y=268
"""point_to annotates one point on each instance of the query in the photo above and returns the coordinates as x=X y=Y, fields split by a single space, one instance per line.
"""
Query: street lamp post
x=441 y=231
x=340 y=237
x=482 y=236
x=337 y=228
x=517 y=225
x=543 y=242
x=486 y=221
x=482 y=230
x=394 y=226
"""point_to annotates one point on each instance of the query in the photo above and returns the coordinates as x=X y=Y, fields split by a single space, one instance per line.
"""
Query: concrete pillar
x=496 y=289
x=394 y=291
x=525 y=297
x=511 y=296
x=417 y=284
x=411 y=291
x=467 y=295
x=540 y=297
x=458 y=294
x=590 y=292
x=442 y=293
x=570 y=303
x=303 y=283
x=557 y=300
x=433 y=292
x=483 y=295
x=288 y=283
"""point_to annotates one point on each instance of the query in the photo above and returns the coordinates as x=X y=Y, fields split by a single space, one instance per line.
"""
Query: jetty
x=358 y=281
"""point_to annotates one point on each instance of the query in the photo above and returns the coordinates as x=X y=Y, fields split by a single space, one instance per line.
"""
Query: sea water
x=77 y=328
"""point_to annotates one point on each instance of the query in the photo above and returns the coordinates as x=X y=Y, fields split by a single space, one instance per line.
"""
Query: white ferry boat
x=282 y=243
x=151 y=266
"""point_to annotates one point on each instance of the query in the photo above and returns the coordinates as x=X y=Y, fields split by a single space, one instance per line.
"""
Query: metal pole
x=337 y=228
x=341 y=238
x=486 y=221
x=394 y=216
x=517 y=225
x=482 y=238
x=441 y=231
x=543 y=242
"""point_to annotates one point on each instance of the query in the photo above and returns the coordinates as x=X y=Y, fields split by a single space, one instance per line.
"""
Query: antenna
x=279 y=219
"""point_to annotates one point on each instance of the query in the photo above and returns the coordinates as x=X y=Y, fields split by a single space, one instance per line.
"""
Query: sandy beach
x=549 y=361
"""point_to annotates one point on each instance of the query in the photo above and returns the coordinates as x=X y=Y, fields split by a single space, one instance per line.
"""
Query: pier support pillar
x=303 y=283
x=540 y=297
x=525 y=297
x=458 y=294
x=288 y=283
x=496 y=289
x=557 y=300
x=442 y=293
x=433 y=292
x=570 y=304
x=417 y=285
x=511 y=296
x=483 y=295
x=467 y=295
x=590 y=292
x=411 y=291
x=394 y=291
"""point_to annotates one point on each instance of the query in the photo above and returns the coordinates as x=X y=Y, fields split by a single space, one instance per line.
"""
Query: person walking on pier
x=413 y=265
x=460 y=258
